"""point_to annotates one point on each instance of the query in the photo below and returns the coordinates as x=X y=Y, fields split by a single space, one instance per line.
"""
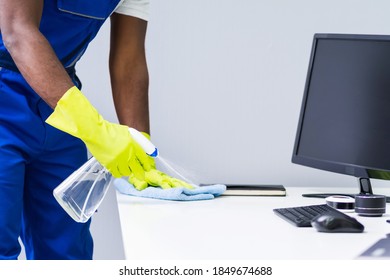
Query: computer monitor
x=344 y=124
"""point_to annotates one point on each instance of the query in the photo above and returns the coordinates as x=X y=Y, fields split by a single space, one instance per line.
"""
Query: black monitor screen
x=344 y=124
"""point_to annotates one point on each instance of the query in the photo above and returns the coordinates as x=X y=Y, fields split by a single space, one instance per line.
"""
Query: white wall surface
x=226 y=84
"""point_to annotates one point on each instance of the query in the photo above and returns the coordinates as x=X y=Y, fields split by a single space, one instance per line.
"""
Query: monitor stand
x=365 y=188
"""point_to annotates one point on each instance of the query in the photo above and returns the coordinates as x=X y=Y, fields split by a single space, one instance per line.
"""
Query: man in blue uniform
x=47 y=124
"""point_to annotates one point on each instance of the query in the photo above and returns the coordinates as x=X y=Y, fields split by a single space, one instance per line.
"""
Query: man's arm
x=129 y=72
x=32 y=53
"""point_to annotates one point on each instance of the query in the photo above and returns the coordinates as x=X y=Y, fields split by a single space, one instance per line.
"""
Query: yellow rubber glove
x=156 y=178
x=111 y=144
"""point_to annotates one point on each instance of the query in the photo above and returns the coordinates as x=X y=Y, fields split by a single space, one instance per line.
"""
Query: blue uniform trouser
x=34 y=159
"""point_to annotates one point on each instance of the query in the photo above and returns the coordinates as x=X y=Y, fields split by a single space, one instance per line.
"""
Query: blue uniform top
x=69 y=26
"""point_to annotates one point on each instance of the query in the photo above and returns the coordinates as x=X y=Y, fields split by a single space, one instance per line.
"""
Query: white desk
x=237 y=228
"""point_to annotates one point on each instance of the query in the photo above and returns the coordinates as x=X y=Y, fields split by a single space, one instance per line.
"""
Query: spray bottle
x=83 y=191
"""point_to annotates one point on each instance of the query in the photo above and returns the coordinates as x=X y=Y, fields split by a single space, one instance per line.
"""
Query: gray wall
x=227 y=80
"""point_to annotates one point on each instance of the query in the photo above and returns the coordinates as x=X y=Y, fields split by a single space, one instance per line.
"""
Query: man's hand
x=111 y=144
x=156 y=178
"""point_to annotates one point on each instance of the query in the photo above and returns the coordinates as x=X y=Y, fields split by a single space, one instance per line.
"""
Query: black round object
x=370 y=205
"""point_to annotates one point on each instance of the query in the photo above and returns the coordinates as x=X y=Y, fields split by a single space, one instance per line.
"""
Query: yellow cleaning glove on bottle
x=111 y=144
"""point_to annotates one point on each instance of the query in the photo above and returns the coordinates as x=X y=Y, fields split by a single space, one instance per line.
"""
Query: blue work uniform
x=35 y=157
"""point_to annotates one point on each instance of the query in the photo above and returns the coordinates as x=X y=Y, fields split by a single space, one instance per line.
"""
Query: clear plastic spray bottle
x=83 y=191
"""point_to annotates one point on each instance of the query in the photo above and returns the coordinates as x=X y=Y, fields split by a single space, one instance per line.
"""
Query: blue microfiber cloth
x=182 y=194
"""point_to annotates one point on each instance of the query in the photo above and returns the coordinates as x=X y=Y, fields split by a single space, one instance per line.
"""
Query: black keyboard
x=302 y=216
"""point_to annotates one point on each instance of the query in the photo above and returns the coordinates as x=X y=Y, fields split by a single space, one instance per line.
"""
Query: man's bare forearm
x=41 y=68
x=128 y=71
x=31 y=52
x=131 y=100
